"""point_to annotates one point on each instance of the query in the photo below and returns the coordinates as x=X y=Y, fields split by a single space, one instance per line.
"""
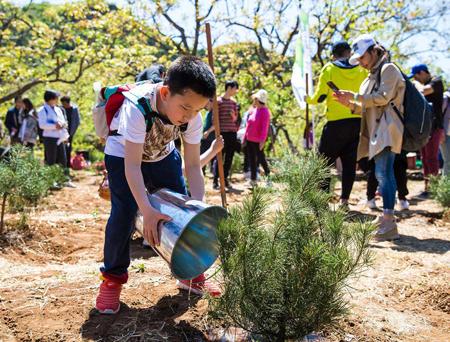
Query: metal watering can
x=188 y=243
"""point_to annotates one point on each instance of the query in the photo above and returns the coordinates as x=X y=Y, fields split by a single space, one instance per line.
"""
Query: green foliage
x=286 y=264
x=440 y=190
x=24 y=180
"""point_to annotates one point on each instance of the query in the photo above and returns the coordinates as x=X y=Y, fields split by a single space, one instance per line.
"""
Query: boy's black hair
x=50 y=95
x=65 y=99
x=231 y=84
x=189 y=72
x=17 y=98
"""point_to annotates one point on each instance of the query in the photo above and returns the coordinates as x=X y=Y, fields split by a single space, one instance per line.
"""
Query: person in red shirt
x=229 y=125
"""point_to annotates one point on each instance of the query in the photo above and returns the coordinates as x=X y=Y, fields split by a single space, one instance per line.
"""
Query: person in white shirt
x=54 y=125
x=140 y=157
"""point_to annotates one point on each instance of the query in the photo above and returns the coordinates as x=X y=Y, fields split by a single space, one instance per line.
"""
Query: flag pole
x=307 y=113
x=216 y=120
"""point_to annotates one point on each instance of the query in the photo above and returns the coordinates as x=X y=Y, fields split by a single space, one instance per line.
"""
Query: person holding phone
x=340 y=135
x=381 y=134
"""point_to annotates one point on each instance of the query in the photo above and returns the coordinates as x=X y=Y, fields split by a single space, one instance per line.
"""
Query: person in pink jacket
x=256 y=133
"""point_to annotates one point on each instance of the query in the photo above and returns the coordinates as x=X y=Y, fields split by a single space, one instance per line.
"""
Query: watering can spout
x=189 y=241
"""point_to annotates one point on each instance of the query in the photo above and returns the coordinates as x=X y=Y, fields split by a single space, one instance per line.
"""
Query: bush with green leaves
x=440 y=190
x=24 y=181
x=287 y=257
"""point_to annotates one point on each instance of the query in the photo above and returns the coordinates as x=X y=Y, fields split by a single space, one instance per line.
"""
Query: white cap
x=360 y=46
x=261 y=95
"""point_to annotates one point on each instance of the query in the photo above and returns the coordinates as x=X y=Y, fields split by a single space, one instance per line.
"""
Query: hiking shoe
x=108 y=299
x=228 y=184
x=404 y=204
x=216 y=186
x=371 y=204
x=387 y=230
x=247 y=175
x=251 y=184
x=343 y=206
x=424 y=195
x=200 y=287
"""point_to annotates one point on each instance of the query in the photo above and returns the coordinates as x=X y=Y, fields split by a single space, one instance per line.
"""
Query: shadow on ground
x=155 y=323
x=409 y=244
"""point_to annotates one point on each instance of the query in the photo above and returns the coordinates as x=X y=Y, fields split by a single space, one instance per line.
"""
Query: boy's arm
x=193 y=170
x=133 y=173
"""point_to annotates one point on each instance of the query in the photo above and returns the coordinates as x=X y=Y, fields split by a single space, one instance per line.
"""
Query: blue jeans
x=445 y=150
x=166 y=173
x=384 y=172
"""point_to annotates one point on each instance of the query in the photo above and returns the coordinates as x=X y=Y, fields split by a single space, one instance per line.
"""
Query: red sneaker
x=108 y=299
x=199 y=286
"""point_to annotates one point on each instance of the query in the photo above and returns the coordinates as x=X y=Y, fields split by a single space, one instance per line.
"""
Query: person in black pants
x=73 y=121
x=228 y=119
x=400 y=167
x=340 y=140
x=52 y=121
x=340 y=136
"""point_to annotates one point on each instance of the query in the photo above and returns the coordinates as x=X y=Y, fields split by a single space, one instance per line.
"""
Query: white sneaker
x=69 y=184
x=371 y=204
x=404 y=204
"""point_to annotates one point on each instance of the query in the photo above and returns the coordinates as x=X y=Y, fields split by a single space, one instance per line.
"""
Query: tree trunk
x=5 y=195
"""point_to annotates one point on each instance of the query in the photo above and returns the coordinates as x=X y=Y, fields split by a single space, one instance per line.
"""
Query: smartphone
x=333 y=86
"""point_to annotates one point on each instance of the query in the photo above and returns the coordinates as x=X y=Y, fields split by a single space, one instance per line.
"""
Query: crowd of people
x=365 y=124
x=53 y=124
x=365 y=128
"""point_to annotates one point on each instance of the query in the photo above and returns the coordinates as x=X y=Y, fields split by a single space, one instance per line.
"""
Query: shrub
x=24 y=181
x=440 y=190
x=286 y=256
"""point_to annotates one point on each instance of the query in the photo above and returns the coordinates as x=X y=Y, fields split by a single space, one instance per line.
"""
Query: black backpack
x=417 y=116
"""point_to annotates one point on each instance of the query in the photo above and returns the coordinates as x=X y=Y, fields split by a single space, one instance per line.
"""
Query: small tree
x=440 y=190
x=24 y=181
x=286 y=256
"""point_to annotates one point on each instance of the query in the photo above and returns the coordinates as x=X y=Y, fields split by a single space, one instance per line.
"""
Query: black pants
x=340 y=140
x=205 y=144
x=256 y=157
x=400 y=166
x=54 y=154
x=229 y=147
x=69 y=151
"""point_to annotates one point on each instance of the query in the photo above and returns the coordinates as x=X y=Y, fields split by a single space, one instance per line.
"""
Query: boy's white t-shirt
x=158 y=143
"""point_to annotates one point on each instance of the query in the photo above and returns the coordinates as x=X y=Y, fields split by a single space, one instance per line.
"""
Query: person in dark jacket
x=73 y=121
x=14 y=118
x=433 y=90
x=155 y=73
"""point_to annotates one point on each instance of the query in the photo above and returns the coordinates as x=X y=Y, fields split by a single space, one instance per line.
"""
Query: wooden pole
x=307 y=113
x=216 y=119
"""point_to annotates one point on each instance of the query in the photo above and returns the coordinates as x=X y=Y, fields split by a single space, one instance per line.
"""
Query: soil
x=49 y=278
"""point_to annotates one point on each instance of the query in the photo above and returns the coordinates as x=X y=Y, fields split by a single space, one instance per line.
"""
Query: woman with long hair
x=30 y=128
x=381 y=134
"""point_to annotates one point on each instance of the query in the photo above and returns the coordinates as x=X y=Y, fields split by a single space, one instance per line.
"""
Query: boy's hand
x=217 y=144
x=152 y=218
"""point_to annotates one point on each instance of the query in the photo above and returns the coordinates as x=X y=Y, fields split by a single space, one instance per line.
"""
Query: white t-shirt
x=158 y=142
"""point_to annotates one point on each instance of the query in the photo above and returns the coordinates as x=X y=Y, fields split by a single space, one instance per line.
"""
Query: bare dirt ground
x=49 y=278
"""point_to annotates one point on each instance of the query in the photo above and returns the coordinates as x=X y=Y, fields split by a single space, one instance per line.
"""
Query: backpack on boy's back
x=417 y=117
x=110 y=99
